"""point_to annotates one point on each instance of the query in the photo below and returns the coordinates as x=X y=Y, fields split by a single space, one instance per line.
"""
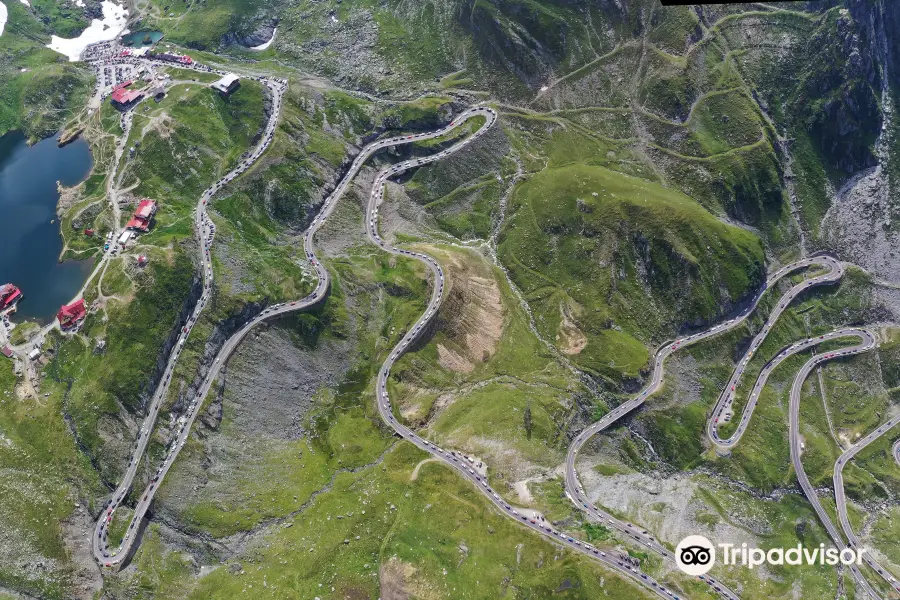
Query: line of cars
x=450 y=457
x=536 y=523
x=205 y=231
x=573 y=486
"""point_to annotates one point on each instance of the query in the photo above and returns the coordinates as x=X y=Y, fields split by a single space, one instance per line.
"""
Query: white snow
x=113 y=24
x=25 y=2
x=267 y=44
x=2 y=17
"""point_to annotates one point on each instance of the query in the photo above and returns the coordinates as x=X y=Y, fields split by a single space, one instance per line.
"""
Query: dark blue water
x=29 y=244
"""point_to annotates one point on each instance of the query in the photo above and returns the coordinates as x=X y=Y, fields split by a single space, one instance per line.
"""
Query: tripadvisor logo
x=696 y=555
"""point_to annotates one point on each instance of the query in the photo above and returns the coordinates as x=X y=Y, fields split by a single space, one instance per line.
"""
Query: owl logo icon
x=695 y=555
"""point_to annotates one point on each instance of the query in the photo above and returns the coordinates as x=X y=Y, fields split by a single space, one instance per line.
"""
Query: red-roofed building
x=9 y=295
x=122 y=97
x=142 y=216
x=183 y=59
x=71 y=315
x=7 y=351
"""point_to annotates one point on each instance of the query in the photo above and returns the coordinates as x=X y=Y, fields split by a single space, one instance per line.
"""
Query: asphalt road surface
x=723 y=407
x=575 y=491
x=115 y=558
x=455 y=460
x=206 y=232
x=866 y=342
x=840 y=498
x=205 y=229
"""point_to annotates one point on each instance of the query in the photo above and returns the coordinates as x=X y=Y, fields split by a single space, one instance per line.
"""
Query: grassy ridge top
x=610 y=256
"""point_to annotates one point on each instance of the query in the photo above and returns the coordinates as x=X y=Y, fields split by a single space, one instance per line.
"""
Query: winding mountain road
x=840 y=497
x=458 y=461
x=204 y=230
x=866 y=342
x=833 y=272
x=117 y=557
x=575 y=490
x=724 y=408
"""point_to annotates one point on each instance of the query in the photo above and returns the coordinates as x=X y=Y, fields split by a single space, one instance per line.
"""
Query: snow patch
x=112 y=25
x=25 y=2
x=3 y=15
x=267 y=44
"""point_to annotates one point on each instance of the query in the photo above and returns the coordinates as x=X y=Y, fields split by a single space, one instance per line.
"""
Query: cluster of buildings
x=124 y=96
x=69 y=315
x=182 y=59
x=139 y=221
x=128 y=93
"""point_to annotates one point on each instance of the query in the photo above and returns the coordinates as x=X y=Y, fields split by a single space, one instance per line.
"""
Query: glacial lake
x=141 y=38
x=30 y=244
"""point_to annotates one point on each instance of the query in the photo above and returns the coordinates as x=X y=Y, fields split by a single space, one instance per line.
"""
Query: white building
x=227 y=84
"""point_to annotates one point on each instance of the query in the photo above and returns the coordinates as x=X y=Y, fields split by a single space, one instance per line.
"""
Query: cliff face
x=223 y=331
x=879 y=21
x=258 y=33
x=860 y=225
x=837 y=95
x=529 y=42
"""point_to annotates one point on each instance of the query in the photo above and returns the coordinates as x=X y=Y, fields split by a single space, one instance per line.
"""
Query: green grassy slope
x=40 y=88
x=697 y=84
x=623 y=260
x=43 y=475
x=379 y=531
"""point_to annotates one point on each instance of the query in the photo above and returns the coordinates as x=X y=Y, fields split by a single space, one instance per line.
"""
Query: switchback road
x=204 y=228
x=866 y=342
x=840 y=498
x=833 y=272
x=206 y=232
x=723 y=410
x=117 y=557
